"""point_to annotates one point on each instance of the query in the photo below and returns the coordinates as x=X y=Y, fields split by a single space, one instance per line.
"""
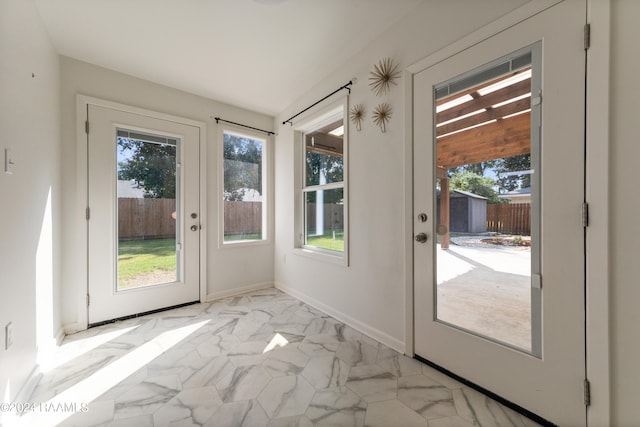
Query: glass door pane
x=486 y=197
x=148 y=212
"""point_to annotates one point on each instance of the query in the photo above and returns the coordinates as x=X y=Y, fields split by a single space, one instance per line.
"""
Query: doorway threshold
x=133 y=316
x=517 y=408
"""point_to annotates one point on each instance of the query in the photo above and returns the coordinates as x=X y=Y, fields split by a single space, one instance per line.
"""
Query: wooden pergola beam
x=479 y=87
x=325 y=143
x=490 y=114
x=517 y=89
x=504 y=138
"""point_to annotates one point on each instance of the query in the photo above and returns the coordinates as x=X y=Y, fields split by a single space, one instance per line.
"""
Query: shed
x=468 y=212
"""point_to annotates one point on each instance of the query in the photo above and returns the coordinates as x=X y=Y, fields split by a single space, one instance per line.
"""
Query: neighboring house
x=249 y=195
x=521 y=195
x=128 y=189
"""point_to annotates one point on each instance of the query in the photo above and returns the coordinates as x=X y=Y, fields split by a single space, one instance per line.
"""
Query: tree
x=152 y=166
x=477 y=168
x=242 y=166
x=471 y=182
x=331 y=166
x=517 y=163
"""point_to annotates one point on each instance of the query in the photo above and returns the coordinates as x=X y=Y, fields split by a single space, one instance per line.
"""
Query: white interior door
x=504 y=307
x=144 y=215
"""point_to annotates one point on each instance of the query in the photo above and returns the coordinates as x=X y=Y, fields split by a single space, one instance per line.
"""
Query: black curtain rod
x=268 y=132
x=318 y=102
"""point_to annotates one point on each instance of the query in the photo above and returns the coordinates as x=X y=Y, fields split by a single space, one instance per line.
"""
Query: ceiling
x=256 y=54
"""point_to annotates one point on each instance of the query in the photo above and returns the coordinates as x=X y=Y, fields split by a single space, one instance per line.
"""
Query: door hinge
x=86 y=127
x=88 y=300
x=587 y=393
x=88 y=213
x=585 y=214
x=587 y=36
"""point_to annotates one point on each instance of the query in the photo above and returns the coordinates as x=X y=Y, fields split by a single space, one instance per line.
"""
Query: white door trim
x=82 y=177
x=597 y=190
x=597 y=195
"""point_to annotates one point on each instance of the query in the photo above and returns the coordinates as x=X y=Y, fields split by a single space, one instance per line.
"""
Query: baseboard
x=59 y=336
x=371 y=332
x=9 y=418
x=238 y=291
x=29 y=385
x=72 y=328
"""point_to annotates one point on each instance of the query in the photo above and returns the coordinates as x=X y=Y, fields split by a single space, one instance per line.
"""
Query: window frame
x=330 y=113
x=266 y=185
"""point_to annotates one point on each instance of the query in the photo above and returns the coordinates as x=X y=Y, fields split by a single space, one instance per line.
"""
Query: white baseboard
x=371 y=332
x=72 y=328
x=59 y=336
x=29 y=385
x=238 y=291
x=10 y=418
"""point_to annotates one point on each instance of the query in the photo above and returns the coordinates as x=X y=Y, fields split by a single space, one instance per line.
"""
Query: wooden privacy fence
x=333 y=216
x=511 y=218
x=242 y=218
x=146 y=218
x=153 y=218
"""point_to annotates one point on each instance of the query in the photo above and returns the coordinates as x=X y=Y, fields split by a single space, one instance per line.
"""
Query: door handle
x=194 y=228
x=421 y=237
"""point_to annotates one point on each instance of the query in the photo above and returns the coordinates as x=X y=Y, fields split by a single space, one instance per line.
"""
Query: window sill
x=243 y=243
x=322 y=256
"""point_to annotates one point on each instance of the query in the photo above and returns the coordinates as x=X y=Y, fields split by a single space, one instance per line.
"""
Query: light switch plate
x=8 y=335
x=8 y=161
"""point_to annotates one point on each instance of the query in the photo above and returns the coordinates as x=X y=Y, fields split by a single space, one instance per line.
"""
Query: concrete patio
x=487 y=291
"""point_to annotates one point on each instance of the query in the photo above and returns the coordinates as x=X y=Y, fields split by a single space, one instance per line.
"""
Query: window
x=324 y=170
x=244 y=184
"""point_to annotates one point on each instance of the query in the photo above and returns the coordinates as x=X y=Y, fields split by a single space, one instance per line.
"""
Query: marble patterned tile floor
x=259 y=359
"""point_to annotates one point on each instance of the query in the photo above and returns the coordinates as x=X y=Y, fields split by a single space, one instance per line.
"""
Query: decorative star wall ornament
x=384 y=74
x=357 y=115
x=381 y=115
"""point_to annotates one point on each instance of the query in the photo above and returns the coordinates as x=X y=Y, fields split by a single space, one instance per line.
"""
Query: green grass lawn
x=327 y=241
x=141 y=257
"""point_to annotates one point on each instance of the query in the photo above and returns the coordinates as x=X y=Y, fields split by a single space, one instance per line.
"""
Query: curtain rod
x=268 y=132
x=318 y=102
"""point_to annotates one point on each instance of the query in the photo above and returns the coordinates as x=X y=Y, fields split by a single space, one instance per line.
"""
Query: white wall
x=227 y=269
x=370 y=293
x=29 y=226
x=624 y=211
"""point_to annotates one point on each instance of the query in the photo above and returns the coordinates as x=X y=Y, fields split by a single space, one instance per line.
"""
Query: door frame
x=82 y=187
x=596 y=189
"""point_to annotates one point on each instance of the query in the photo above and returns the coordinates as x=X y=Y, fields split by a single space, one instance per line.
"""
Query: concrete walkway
x=486 y=291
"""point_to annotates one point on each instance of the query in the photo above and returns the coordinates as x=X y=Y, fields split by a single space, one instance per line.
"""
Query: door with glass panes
x=144 y=213
x=498 y=190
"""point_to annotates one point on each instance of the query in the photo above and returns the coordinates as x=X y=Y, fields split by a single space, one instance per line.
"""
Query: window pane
x=324 y=213
x=486 y=193
x=324 y=155
x=146 y=194
x=243 y=188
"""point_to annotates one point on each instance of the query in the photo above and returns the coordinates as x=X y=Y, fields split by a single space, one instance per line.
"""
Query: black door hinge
x=585 y=214
x=587 y=36
x=587 y=393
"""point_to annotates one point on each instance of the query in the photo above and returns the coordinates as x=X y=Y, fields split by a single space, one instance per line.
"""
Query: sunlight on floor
x=71 y=350
x=277 y=341
x=95 y=385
